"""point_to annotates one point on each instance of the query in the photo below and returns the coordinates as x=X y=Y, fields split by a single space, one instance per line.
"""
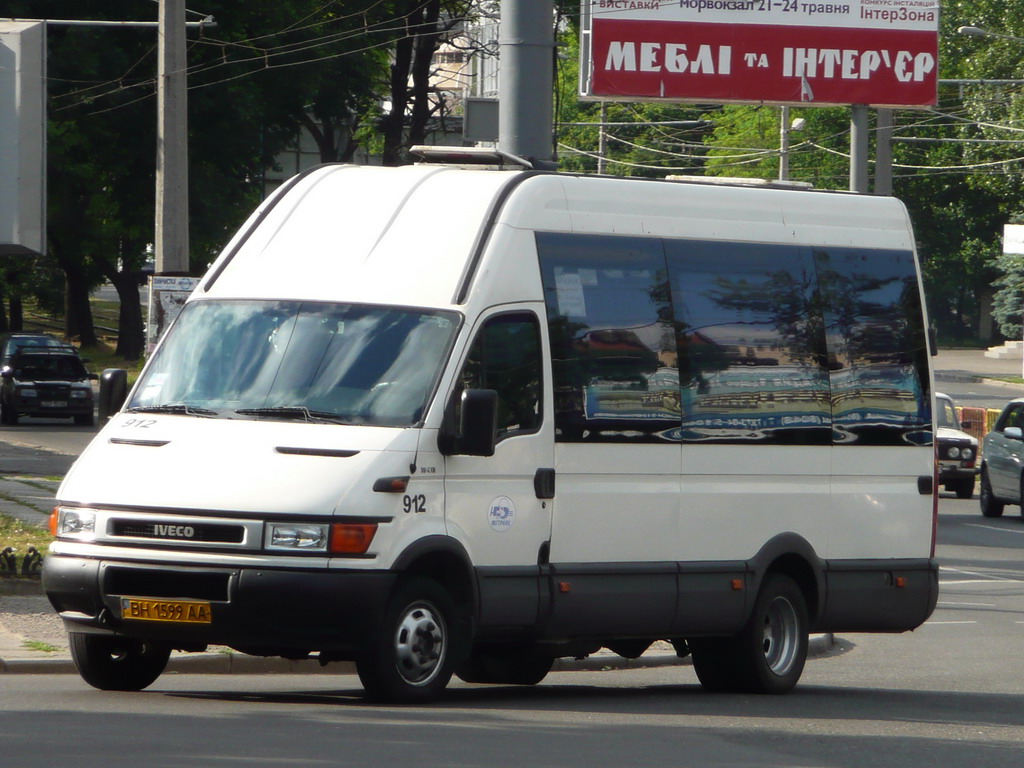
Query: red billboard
x=881 y=53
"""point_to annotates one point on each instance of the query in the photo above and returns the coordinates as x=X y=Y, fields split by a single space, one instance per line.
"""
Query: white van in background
x=436 y=420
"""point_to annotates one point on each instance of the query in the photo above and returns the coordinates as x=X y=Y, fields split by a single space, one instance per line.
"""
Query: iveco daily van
x=439 y=420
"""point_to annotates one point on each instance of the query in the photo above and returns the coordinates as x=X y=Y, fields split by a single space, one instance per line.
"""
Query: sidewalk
x=32 y=637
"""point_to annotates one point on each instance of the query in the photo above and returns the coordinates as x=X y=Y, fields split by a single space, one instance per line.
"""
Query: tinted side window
x=877 y=346
x=506 y=357
x=751 y=343
x=612 y=340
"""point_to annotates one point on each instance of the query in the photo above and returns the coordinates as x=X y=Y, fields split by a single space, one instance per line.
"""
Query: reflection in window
x=751 y=342
x=506 y=357
x=355 y=364
x=877 y=347
x=613 y=345
x=687 y=340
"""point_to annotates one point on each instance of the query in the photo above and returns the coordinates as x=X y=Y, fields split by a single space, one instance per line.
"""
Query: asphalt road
x=949 y=695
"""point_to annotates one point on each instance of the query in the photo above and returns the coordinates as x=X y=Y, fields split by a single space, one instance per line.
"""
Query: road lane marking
x=994 y=528
x=942 y=604
x=981 y=576
x=932 y=623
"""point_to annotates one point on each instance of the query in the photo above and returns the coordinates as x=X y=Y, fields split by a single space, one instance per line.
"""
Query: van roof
x=413 y=234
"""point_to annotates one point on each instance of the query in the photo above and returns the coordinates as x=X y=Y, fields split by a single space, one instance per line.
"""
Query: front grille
x=204 y=532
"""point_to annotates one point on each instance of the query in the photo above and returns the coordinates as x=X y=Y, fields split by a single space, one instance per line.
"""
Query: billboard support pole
x=883 y=152
x=526 y=79
x=859 y=148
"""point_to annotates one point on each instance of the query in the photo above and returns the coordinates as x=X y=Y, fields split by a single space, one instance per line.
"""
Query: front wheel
x=117 y=663
x=768 y=655
x=411 y=655
x=964 y=488
x=990 y=505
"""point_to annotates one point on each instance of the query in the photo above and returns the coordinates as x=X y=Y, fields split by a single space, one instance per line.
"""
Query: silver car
x=1003 y=461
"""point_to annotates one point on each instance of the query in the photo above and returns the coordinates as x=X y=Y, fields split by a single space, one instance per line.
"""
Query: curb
x=230 y=663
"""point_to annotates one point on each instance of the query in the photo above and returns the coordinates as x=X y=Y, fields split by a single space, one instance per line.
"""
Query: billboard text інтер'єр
x=881 y=53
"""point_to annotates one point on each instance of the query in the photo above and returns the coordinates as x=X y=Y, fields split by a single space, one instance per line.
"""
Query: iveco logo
x=174 y=531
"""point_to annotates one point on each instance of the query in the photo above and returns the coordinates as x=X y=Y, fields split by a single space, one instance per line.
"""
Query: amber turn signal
x=352 y=538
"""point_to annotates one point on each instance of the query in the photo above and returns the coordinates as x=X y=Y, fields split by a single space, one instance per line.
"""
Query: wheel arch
x=792 y=555
x=446 y=561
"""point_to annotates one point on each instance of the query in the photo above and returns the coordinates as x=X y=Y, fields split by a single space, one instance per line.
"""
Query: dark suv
x=21 y=341
x=48 y=382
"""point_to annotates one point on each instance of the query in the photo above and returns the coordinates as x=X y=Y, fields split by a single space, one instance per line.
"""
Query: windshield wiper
x=292 y=412
x=185 y=408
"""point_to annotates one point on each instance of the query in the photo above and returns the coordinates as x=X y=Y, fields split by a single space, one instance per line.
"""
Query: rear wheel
x=990 y=505
x=411 y=654
x=768 y=655
x=117 y=663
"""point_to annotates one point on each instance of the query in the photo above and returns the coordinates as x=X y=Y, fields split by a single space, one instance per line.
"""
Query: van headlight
x=966 y=454
x=296 y=537
x=76 y=524
x=348 y=539
x=953 y=452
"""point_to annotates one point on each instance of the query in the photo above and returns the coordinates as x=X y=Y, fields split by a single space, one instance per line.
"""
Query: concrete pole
x=784 y=144
x=526 y=79
x=171 y=238
x=859 y=148
x=883 y=152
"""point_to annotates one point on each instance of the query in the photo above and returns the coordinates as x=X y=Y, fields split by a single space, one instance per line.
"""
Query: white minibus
x=442 y=419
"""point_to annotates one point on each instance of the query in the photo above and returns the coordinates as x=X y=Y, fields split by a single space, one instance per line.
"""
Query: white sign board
x=167 y=295
x=1013 y=238
x=22 y=138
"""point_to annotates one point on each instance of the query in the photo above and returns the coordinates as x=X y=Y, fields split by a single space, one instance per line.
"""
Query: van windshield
x=334 y=363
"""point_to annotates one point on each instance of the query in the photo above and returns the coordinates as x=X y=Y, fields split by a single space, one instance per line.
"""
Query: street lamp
x=972 y=31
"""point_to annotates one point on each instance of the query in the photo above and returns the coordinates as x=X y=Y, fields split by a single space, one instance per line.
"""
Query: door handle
x=544 y=483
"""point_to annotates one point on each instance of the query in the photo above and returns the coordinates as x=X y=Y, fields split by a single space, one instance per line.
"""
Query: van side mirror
x=476 y=432
x=965 y=425
x=1013 y=433
x=113 y=391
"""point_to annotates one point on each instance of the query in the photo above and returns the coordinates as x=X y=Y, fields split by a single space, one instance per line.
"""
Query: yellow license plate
x=178 y=611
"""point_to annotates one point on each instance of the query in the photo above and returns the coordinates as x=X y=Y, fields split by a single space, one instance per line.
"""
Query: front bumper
x=955 y=470
x=260 y=611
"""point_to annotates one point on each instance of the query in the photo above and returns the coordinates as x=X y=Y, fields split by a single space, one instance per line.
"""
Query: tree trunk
x=131 y=340
x=78 y=322
x=426 y=44
x=17 y=314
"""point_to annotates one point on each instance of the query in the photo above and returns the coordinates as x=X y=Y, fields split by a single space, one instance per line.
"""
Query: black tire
x=715 y=665
x=85 y=420
x=990 y=505
x=411 y=655
x=8 y=416
x=964 y=489
x=506 y=665
x=769 y=654
x=117 y=663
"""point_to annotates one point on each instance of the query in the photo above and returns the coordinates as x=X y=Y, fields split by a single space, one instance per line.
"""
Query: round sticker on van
x=502 y=513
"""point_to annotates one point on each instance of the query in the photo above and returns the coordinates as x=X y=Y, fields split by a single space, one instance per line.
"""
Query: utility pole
x=171 y=241
x=859 y=149
x=526 y=79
